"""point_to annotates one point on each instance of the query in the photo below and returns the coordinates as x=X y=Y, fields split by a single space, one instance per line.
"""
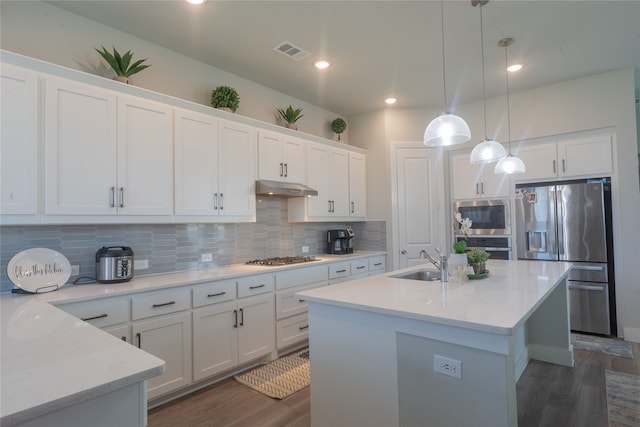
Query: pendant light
x=510 y=164
x=446 y=129
x=488 y=150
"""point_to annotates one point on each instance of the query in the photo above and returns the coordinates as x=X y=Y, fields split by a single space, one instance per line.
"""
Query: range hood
x=283 y=189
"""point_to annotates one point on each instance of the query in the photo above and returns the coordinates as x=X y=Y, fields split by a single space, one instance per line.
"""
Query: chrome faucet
x=444 y=270
x=425 y=255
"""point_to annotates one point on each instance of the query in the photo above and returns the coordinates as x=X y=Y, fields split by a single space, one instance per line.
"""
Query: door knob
x=403 y=252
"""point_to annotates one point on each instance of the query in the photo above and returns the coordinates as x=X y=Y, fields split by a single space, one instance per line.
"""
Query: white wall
x=43 y=31
x=601 y=101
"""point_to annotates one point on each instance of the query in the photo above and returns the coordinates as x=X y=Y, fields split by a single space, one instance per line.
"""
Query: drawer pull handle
x=100 y=316
x=257 y=287
x=360 y=267
x=216 y=295
x=139 y=336
x=377 y=264
x=164 y=304
x=341 y=271
x=302 y=328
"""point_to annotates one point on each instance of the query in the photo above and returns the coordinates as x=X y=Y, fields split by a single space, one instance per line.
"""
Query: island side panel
x=549 y=331
x=353 y=368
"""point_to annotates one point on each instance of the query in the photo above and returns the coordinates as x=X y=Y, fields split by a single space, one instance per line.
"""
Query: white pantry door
x=420 y=194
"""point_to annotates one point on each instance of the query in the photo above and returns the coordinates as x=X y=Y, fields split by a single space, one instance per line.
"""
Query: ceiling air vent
x=292 y=51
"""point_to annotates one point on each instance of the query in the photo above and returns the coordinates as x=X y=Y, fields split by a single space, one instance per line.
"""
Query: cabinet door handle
x=329 y=210
x=341 y=271
x=281 y=169
x=235 y=318
x=221 y=201
x=123 y=338
x=164 y=304
x=564 y=169
x=477 y=188
x=286 y=170
x=554 y=167
x=353 y=207
x=216 y=295
x=113 y=197
x=215 y=201
x=257 y=286
x=242 y=317
x=100 y=316
x=139 y=337
x=333 y=206
x=302 y=328
x=482 y=187
x=122 y=197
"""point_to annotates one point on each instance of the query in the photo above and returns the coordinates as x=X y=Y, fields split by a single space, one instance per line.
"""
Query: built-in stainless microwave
x=487 y=216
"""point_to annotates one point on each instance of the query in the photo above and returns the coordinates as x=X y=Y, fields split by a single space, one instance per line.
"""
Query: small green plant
x=121 y=64
x=477 y=256
x=460 y=247
x=338 y=126
x=225 y=97
x=291 y=115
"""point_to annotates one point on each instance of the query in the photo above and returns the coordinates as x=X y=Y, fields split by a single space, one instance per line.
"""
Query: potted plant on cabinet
x=477 y=259
x=338 y=126
x=291 y=116
x=225 y=97
x=121 y=64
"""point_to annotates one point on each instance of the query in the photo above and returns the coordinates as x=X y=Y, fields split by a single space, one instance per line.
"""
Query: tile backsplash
x=177 y=247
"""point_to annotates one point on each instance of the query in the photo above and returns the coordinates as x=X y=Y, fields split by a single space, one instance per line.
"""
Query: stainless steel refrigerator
x=571 y=221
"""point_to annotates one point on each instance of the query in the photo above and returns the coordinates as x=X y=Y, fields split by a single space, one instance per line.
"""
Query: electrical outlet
x=140 y=264
x=75 y=270
x=305 y=249
x=206 y=257
x=449 y=367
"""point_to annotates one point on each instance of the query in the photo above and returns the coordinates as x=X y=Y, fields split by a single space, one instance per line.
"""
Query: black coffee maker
x=340 y=242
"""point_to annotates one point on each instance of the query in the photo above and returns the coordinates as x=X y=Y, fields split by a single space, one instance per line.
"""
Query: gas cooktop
x=287 y=260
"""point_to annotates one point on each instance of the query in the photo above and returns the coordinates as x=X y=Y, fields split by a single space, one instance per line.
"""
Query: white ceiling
x=386 y=48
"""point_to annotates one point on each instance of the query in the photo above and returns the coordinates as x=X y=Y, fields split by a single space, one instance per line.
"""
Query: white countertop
x=50 y=359
x=497 y=304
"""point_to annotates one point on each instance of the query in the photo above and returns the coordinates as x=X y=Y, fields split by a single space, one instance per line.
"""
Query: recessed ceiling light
x=515 y=67
x=195 y=1
x=321 y=65
x=390 y=101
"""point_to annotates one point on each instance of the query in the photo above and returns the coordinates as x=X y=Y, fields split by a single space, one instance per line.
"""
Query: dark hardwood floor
x=548 y=396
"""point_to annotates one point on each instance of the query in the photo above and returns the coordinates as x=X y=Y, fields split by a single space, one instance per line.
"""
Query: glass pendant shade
x=446 y=129
x=510 y=165
x=487 y=151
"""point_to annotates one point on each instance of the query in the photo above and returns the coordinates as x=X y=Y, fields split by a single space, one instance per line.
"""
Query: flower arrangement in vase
x=458 y=259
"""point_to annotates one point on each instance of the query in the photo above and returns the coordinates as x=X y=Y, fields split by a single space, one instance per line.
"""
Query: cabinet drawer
x=288 y=305
x=339 y=269
x=377 y=264
x=255 y=285
x=360 y=266
x=212 y=293
x=292 y=330
x=101 y=313
x=160 y=303
x=301 y=276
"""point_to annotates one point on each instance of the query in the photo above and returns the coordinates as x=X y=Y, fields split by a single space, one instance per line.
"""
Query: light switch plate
x=206 y=257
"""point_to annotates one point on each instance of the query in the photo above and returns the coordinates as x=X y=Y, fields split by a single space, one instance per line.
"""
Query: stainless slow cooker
x=114 y=264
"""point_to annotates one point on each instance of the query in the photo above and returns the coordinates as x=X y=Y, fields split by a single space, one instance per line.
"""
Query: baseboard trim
x=631 y=334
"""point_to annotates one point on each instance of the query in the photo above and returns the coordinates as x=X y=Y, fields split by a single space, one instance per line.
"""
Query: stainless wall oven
x=499 y=247
x=488 y=217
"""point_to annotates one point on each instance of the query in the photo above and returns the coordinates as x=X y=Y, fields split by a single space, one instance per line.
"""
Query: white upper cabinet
x=145 y=157
x=237 y=170
x=19 y=170
x=281 y=157
x=106 y=154
x=357 y=186
x=196 y=163
x=473 y=181
x=80 y=149
x=215 y=167
x=573 y=158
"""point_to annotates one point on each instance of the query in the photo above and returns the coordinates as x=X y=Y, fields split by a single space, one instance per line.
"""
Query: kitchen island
x=376 y=343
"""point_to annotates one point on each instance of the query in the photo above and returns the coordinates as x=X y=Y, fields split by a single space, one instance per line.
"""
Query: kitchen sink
x=426 y=275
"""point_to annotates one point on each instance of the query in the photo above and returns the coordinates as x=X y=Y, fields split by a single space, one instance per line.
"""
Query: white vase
x=458 y=259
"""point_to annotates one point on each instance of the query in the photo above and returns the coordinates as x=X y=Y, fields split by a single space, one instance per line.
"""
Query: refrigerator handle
x=560 y=221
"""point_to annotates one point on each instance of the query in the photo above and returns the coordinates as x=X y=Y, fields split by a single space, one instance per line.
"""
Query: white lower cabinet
x=215 y=339
x=377 y=264
x=169 y=338
x=256 y=335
